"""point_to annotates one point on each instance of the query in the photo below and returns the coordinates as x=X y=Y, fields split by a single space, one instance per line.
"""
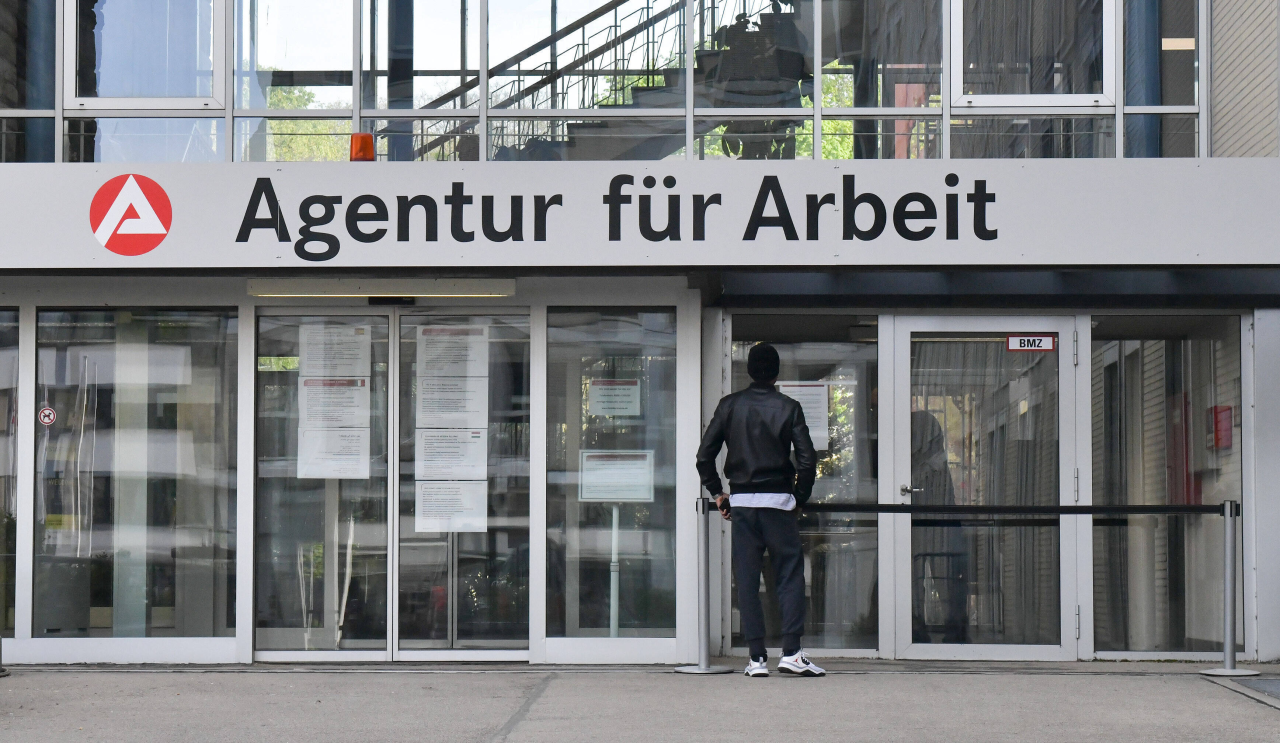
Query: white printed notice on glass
x=453 y=351
x=453 y=402
x=451 y=506
x=613 y=397
x=812 y=397
x=333 y=453
x=615 y=475
x=451 y=454
x=334 y=350
x=333 y=402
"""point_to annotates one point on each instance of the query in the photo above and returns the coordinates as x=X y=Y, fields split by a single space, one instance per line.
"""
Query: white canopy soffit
x=793 y=214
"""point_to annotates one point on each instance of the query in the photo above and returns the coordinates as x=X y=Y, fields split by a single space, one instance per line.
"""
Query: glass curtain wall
x=139 y=140
x=464 y=482
x=611 y=480
x=8 y=471
x=984 y=431
x=586 y=54
x=1033 y=137
x=321 y=501
x=293 y=57
x=882 y=53
x=1030 y=47
x=417 y=54
x=28 y=43
x=295 y=72
x=1166 y=431
x=135 y=502
x=421 y=56
x=1161 y=68
x=27 y=52
x=616 y=56
x=144 y=48
x=828 y=364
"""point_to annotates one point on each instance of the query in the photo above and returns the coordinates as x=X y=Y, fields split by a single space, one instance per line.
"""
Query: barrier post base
x=1228 y=672
x=703 y=670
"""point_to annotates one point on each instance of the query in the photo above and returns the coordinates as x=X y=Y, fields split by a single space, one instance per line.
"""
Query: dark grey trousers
x=754 y=531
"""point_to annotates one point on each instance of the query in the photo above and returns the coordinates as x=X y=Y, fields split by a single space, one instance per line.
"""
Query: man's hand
x=722 y=503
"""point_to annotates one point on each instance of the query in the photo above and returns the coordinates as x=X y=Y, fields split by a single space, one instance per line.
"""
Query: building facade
x=267 y=403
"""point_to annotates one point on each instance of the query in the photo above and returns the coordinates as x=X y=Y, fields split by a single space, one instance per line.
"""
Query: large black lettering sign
x=631 y=210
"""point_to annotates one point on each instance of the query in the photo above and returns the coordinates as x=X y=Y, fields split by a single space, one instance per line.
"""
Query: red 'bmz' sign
x=1031 y=342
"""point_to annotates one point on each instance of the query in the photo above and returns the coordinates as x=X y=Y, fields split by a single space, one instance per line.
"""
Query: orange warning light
x=362 y=148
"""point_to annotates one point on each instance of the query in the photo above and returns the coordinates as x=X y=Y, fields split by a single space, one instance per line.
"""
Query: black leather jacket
x=760 y=425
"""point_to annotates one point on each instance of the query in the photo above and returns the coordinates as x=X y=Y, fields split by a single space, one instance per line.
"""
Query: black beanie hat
x=762 y=362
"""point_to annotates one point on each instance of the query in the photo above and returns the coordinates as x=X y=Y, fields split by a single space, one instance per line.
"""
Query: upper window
x=1160 y=66
x=27 y=42
x=293 y=55
x=621 y=54
x=1029 y=52
x=145 y=53
x=420 y=54
x=881 y=53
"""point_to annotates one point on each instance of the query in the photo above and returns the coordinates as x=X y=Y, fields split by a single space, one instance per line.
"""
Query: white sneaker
x=800 y=665
x=756 y=668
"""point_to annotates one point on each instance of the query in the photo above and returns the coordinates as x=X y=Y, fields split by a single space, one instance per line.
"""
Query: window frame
x=70 y=60
x=955 y=64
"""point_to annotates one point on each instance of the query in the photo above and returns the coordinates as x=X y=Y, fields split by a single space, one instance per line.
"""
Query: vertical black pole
x=400 y=77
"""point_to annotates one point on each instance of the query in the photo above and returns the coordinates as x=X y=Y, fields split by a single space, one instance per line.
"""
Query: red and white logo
x=130 y=214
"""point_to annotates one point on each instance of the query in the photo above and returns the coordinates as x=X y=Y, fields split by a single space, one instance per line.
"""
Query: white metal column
x=246 y=467
x=538 y=483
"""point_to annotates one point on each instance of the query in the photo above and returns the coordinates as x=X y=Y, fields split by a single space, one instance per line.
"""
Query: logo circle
x=130 y=214
x=47 y=416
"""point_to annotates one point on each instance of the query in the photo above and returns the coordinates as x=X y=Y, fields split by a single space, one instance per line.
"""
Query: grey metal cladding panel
x=1245 y=110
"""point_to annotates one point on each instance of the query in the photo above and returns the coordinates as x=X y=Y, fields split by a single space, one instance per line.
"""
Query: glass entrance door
x=829 y=364
x=984 y=417
x=393 y=482
x=462 y=531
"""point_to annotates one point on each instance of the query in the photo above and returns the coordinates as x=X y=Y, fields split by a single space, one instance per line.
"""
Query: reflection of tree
x=299 y=140
x=842 y=432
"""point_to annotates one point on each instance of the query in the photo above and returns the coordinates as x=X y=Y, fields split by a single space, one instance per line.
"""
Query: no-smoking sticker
x=47 y=416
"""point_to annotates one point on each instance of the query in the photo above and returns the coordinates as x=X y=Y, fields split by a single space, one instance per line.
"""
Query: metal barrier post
x=1230 y=510
x=704 y=595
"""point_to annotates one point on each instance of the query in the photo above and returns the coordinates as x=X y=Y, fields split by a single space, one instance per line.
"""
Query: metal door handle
x=907 y=490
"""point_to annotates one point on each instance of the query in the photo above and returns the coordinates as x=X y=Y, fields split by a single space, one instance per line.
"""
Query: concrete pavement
x=860 y=700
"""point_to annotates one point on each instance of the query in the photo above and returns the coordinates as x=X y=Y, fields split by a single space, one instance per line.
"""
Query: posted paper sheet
x=453 y=402
x=613 y=397
x=451 y=506
x=812 y=397
x=451 y=454
x=334 y=350
x=453 y=351
x=333 y=453
x=615 y=475
x=333 y=402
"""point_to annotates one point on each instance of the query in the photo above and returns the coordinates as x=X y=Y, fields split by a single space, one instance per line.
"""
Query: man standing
x=760 y=426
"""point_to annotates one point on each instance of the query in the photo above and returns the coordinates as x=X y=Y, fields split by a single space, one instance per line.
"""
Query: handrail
x=512 y=61
x=598 y=51
x=913 y=508
x=1230 y=510
x=556 y=75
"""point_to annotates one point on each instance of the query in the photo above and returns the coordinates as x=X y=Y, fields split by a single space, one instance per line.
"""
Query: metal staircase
x=629 y=54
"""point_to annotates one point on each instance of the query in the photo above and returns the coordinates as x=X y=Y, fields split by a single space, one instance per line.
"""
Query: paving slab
x=860 y=700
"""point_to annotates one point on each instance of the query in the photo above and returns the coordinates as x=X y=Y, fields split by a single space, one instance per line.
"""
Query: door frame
x=344 y=308
x=395 y=652
x=1074 y=536
x=619 y=292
